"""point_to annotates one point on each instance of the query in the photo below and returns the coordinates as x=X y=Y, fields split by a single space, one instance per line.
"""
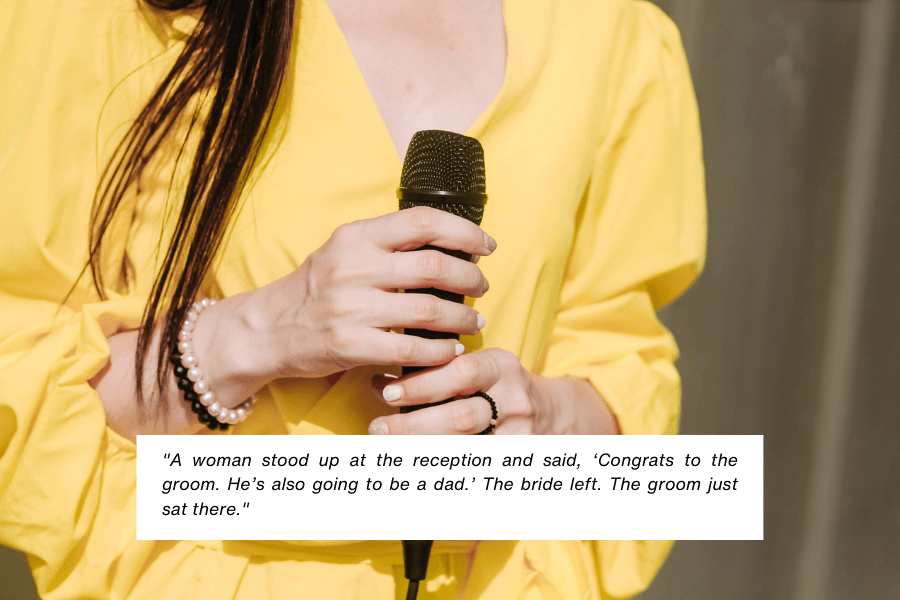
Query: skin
x=335 y=312
x=427 y=65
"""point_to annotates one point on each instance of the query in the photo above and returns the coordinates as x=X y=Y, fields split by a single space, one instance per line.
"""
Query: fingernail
x=476 y=258
x=487 y=286
x=481 y=322
x=380 y=380
x=490 y=242
x=459 y=350
x=378 y=428
x=392 y=393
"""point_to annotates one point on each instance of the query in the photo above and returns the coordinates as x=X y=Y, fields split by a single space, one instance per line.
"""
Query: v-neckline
x=475 y=128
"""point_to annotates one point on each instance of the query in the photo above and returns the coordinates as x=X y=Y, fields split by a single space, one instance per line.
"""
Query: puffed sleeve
x=63 y=474
x=54 y=445
x=640 y=243
x=641 y=233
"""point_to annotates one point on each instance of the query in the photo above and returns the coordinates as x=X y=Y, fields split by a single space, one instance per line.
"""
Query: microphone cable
x=415 y=564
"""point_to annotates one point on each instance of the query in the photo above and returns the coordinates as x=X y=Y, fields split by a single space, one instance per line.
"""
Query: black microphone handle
x=427 y=333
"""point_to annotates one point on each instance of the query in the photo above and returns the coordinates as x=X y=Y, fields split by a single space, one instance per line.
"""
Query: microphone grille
x=444 y=161
x=470 y=212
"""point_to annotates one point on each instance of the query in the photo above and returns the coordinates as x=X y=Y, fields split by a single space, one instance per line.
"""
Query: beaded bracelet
x=190 y=378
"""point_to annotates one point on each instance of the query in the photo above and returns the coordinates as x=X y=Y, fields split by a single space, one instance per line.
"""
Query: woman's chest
x=427 y=65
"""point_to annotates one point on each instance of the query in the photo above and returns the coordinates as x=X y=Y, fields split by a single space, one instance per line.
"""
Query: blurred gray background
x=794 y=330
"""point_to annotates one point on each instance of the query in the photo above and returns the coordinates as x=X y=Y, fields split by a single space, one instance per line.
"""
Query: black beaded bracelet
x=191 y=397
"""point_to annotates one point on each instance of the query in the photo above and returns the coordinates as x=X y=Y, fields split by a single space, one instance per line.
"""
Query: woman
x=596 y=219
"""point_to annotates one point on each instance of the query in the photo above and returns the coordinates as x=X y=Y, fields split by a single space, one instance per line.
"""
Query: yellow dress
x=595 y=178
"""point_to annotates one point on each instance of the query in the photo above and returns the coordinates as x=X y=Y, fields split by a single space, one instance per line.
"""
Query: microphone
x=443 y=170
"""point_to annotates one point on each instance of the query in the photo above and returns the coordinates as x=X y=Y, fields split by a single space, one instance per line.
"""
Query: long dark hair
x=233 y=64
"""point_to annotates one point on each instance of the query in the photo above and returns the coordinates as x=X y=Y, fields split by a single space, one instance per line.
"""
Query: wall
x=793 y=331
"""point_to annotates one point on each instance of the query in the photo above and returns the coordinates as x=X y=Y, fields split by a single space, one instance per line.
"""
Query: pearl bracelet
x=190 y=378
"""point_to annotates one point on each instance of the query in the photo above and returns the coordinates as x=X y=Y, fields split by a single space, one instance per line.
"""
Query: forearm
x=223 y=342
x=161 y=411
x=567 y=405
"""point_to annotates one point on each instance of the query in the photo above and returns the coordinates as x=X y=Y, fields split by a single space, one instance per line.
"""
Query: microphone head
x=444 y=170
x=443 y=161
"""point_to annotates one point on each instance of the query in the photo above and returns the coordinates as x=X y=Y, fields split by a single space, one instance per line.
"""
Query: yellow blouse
x=595 y=178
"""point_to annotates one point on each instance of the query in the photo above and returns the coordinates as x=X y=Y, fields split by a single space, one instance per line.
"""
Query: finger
x=424 y=311
x=349 y=346
x=464 y=375
x=433 y=269
x=388 y=348
x=466 y=416
x=416 y=227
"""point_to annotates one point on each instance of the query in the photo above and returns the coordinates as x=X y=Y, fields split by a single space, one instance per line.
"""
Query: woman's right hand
x=336 y=310
x=332 y=313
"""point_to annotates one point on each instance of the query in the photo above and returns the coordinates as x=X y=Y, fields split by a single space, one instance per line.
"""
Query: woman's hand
x=526 y=403
x=332 y=313
x=336 y=310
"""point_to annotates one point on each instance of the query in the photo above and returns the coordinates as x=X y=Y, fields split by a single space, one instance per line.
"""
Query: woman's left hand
x=526 y=403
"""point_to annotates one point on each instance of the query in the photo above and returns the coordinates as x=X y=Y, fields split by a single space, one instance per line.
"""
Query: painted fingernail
x=487 y=286
x=392 y=393
x=378 y=428
x=459 y=350
x=490 y=242
x=481 y=322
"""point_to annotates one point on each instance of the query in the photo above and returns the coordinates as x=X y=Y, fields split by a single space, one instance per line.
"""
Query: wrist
x=228 y=344
x=569 y=405
x=550 y=413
